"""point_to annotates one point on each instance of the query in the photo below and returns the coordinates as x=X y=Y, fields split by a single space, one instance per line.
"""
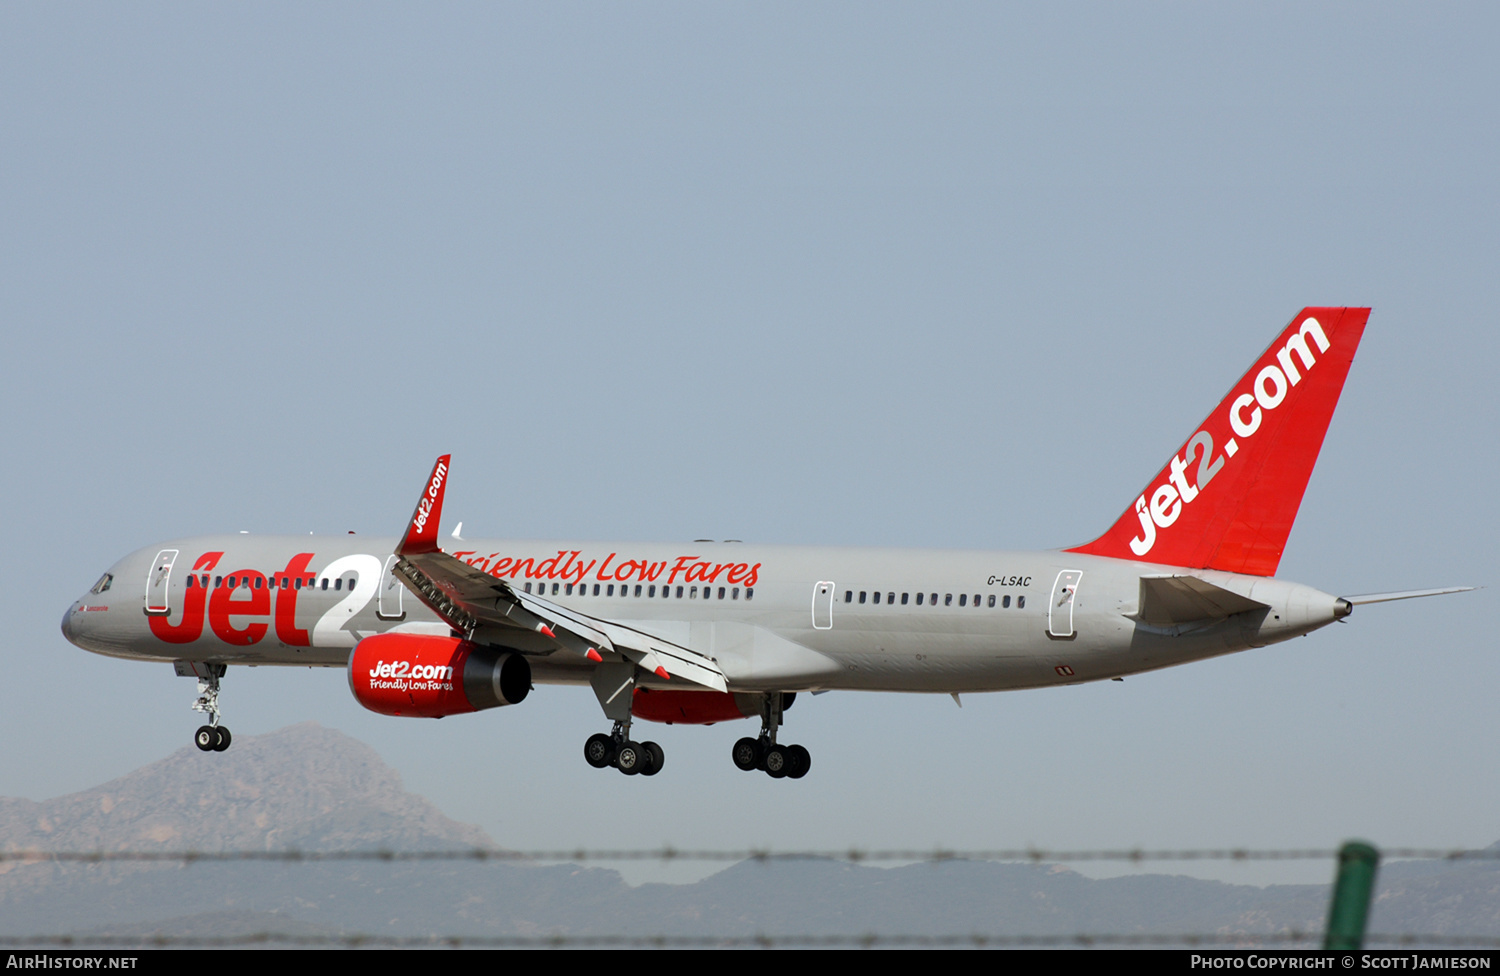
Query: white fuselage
x=773 y=617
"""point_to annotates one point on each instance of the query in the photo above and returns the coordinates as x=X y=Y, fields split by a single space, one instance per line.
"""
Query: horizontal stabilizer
x=1405 y=594
x=1167 y=601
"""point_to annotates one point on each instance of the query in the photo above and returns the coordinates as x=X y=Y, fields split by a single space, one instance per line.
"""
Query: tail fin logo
x=1269 y=392
x=1227 y=499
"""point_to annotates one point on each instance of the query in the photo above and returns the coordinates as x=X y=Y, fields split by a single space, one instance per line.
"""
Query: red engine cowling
x=429 y=676
x=692 y=707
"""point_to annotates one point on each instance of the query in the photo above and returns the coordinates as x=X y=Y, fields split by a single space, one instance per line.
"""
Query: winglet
x=422 y=531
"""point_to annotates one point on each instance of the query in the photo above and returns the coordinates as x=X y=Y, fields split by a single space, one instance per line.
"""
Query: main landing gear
x=212 y=737
x=617 y=750
x=791 y=762
x=614 y=684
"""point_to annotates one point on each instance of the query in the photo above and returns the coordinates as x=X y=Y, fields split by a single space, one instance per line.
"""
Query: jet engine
x=429 y=676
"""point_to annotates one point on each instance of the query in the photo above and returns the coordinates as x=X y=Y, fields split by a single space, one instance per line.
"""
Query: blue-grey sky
x=955 y=275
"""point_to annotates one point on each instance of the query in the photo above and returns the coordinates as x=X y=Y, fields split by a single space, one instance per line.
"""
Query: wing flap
x=653 y=653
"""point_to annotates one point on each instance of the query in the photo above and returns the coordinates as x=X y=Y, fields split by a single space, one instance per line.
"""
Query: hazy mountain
x=311 y=788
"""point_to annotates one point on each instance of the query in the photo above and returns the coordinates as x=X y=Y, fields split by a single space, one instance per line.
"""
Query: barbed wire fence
x=1292 y=938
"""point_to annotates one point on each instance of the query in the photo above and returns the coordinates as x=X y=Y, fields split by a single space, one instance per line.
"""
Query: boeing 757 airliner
x=705 y=632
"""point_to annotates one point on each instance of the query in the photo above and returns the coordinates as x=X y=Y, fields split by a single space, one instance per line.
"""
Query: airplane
x=705 y=632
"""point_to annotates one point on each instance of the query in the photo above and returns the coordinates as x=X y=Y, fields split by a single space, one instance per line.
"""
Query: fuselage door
x=389 y=607
x=822 y=606
x=1060 y=611
x=159 y=583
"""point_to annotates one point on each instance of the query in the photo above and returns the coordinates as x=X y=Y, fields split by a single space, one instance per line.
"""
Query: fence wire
x=671 y=854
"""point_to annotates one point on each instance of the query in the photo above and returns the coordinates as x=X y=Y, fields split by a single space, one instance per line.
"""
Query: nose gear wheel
x=212 y=737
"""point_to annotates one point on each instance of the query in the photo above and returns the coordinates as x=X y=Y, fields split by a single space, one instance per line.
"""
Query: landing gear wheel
x=747 y=754
x=657 y=758
x=778 y=763
x=206 y=738
x=599 y=750
x=630 y=758
x=799 y=762
x=222 y=738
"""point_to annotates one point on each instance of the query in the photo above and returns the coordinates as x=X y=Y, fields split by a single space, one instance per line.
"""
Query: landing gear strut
x=212 y=737
x=778 y=761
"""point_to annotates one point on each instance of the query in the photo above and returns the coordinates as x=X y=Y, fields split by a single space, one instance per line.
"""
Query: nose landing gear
x=212 y=737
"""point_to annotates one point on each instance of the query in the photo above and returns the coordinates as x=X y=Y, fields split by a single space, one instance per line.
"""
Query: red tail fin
x=1227 y=499
x=422 y=530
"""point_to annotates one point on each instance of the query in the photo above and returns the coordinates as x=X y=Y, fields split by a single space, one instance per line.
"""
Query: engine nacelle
x=696 y=707
x=429 y=676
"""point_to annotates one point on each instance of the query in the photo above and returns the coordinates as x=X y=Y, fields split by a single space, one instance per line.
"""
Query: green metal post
x=1352 y=890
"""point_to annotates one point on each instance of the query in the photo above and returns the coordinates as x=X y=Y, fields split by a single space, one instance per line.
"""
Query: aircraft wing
x=466 y=599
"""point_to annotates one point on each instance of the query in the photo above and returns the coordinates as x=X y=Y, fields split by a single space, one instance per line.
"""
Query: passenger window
x=570 y=589
x=948 y=600
x=976 y=599
x=693 y=593
x=637 y=589
x=257 y=582
x=325 y=583
x=651 y=591
x=919 y=599
x=963 y=599
x=679 y=593
x=735 y=594
x=190 y=583
x=1020 y=603
x=749 y=592
x=862 y=595
x=903 y=599
x=932 y=599
x=890 y=598
x=848 y=596
x=877 y=597
x=1005 y=601
x=992 y=599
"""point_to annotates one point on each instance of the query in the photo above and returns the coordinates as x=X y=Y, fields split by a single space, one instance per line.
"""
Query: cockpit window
x=103 y=583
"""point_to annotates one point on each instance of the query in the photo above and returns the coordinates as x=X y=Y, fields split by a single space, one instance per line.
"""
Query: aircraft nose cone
x=69 y=630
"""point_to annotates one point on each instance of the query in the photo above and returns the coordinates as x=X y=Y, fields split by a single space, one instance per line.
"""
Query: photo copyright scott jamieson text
x=1342 y=960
